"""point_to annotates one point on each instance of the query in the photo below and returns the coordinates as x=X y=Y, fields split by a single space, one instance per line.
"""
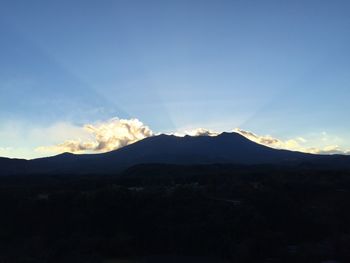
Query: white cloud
x=105 y=136
x=331 y=149
x=116 y=133
x=296 y=144
x=202 y=132
x=196 y=132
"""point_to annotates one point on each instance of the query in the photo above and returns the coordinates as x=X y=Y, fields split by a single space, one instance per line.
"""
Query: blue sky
x=272 y=67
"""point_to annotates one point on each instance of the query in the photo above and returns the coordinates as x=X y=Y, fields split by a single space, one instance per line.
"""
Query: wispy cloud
x=295 y=144
x=331 y=149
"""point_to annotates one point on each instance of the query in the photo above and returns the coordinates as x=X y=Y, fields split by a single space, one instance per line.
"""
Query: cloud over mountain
x=291 y=144
x=105 y=136
x=116 y=133
x=197 y=132
x=296 y=144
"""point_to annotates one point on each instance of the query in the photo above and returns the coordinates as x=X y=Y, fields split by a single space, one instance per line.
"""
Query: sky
x=71 y=70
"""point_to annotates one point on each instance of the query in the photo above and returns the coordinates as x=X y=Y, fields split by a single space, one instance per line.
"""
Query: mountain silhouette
x=226 y=148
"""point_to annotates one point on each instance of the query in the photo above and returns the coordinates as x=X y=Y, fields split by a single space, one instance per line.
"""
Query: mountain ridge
x=225 y=148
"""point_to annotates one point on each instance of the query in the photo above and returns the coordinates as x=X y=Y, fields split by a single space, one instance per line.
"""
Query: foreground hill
x=229 y=148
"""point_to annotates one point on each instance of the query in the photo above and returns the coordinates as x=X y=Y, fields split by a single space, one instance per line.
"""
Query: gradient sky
x=272 y=67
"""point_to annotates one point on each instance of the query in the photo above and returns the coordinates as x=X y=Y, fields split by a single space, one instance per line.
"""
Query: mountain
x=13 y=166
x=230 y=148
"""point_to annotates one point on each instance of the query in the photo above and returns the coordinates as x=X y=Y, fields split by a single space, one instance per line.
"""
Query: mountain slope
x=168 y=149
x=224 y=148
